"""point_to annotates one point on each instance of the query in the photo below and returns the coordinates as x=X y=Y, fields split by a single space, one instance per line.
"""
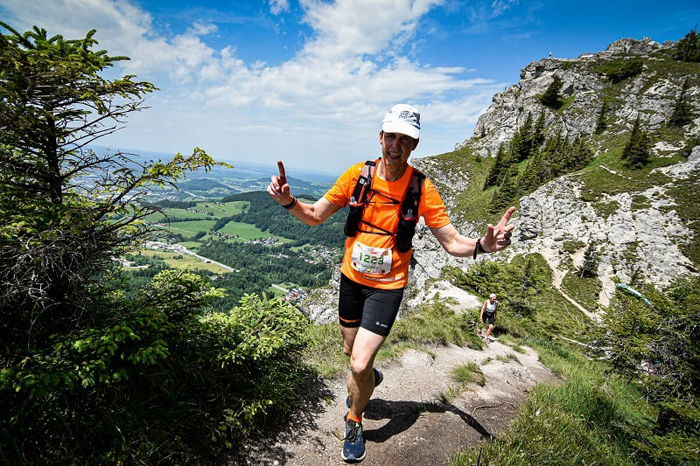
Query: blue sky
x=308 y=81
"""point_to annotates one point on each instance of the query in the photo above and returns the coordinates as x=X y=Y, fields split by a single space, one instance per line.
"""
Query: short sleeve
x=433 y=209
x=342 y=189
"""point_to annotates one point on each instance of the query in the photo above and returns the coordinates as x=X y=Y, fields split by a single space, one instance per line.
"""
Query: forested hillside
x=266 y=215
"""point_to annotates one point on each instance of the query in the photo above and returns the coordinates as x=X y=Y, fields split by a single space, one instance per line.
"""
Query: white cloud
x=350 y=70
x=278 y=6
x=501 y=6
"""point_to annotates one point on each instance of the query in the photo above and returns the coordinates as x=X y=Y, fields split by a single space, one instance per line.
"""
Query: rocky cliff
x=643 y=233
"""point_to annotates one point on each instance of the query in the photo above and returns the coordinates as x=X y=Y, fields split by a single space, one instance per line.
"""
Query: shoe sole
x=353 y=459
x=378 y=379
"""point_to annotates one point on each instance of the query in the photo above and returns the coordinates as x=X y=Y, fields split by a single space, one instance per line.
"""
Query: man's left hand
x=498 y=237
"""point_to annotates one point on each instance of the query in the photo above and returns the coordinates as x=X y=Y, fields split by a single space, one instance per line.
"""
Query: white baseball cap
x=403 y=119
x=492 y=295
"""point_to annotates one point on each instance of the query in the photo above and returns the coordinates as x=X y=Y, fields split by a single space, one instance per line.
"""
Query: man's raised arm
x=497 y=238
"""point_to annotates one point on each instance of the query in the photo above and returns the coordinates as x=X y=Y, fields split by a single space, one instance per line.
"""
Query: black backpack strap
x=364 y=184
x=359 y=198
x=409 y=212
x=409 y=208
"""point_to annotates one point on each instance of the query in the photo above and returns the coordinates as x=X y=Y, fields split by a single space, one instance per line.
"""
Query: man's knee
x=360 y=366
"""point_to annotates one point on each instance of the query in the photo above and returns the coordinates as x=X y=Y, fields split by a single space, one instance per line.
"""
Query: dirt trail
x=404 y=423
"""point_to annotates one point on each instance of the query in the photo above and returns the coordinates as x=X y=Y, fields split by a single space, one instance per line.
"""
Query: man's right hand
x=279 y=188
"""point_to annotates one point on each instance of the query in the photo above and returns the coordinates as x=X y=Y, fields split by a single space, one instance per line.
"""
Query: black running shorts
x=490 y=318
x=370 y=308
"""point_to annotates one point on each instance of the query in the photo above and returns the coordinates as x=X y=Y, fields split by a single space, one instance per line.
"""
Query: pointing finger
x=506 y=217
x=283 y=177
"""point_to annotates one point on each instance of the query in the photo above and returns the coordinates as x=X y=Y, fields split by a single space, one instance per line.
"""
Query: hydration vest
x=408 y=215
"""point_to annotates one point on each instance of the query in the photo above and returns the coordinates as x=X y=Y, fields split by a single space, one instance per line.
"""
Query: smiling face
x=396 y=149
x=492 y=299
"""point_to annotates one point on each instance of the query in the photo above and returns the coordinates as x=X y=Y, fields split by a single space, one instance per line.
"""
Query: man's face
x=396 y=148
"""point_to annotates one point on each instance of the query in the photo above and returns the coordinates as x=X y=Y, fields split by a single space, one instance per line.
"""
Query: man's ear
x=415 y=144
x=381 y=135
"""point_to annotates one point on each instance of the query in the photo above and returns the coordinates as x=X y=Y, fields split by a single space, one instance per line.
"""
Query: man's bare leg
x=488 y=332
x=362 y=347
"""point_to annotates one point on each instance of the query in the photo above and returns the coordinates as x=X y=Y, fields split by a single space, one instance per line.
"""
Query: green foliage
x=602 y=121
x=551 y=97
x=619 y=70
x=467 y=373
x=499 y=168
x=682 y=111
x=658 y=347
x=636 y=153
x=585 y=419
x=688 y=48
x=158 y=351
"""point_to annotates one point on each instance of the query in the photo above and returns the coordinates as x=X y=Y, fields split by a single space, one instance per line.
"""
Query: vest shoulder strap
x=364 y=183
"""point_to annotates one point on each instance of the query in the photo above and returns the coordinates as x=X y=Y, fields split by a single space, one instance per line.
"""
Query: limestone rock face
x=583 y=81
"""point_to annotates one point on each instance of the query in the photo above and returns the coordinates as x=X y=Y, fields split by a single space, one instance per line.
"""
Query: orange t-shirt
x=383 y=212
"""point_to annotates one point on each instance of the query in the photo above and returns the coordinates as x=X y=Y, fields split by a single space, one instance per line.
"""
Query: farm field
x=183 y=260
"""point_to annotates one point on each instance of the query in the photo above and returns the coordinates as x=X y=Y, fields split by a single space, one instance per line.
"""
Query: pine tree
x=498 y=169
x=688 y=48
x=538 y=136
x=682 y=112
x=506 y=192
x=551 y=98
x=602 y=122
x=521 y=144
x=589 y=268
x=636 y=153
x=578 y=155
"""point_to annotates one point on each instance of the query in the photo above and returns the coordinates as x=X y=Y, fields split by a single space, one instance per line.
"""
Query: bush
x=658 y=347
x=619 y=70
x=157 y=382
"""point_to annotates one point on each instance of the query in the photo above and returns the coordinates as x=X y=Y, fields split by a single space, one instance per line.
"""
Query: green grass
x=223 y=210
x=471 y=204
x=189 y=229
x=173 y=213
x=582 y=290
x=588 y=418
x=325 y=350
x=245 y=231
x=465 y=374
x=183 y=260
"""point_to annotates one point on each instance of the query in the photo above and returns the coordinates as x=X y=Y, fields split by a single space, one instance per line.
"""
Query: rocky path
x=404 y=422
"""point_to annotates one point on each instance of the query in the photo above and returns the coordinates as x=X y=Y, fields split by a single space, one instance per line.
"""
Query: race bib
x=371 y=260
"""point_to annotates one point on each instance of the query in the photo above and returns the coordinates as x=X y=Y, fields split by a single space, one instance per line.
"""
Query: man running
x=377 y=255
x=489 y=313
